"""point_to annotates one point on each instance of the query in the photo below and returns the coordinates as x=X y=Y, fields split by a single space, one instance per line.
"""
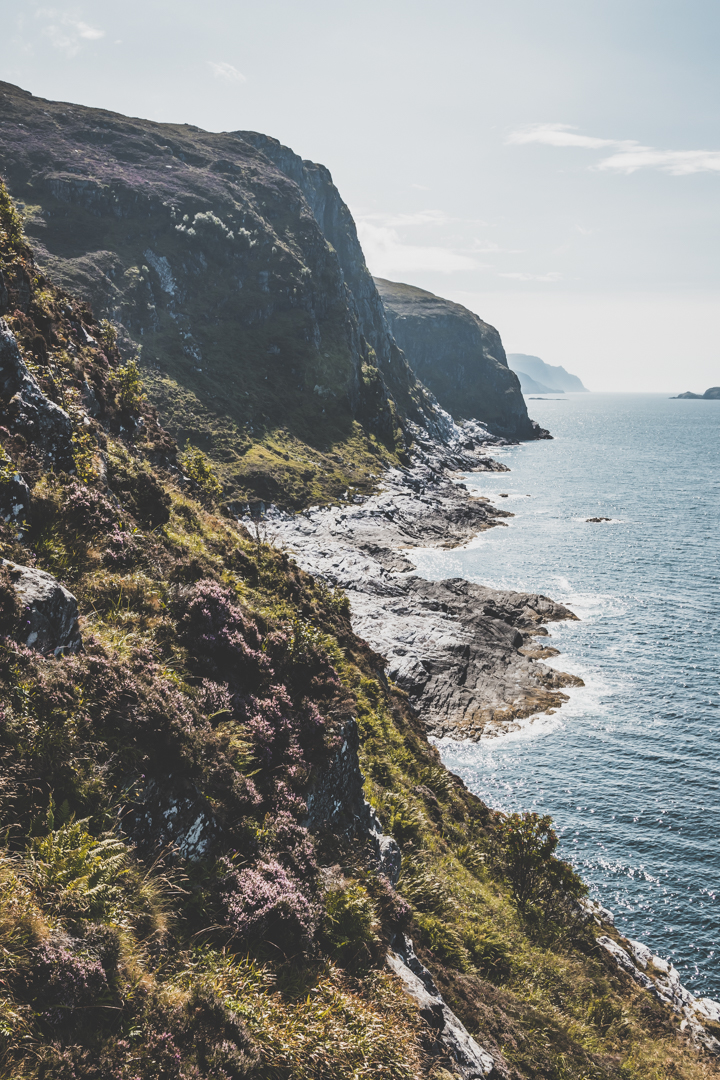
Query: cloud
x=675 y=162
x=629 y=155
x=420 y=217
x=227 y=72
x=67 y=32
x=557 y=135
x=387 y=254
x=520 y=276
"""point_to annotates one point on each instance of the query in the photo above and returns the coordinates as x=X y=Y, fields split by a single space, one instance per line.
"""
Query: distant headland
x=711 y=394
x=537 y=377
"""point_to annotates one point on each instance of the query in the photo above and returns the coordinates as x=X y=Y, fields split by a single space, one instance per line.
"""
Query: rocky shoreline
x=469 y=657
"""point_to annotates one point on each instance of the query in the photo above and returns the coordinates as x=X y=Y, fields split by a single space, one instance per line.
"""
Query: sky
x=554 y=165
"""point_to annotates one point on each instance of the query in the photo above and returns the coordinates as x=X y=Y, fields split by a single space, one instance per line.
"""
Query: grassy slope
x=118 y=964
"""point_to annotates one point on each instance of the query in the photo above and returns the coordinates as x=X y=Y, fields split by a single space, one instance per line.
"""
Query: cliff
x=227 y=849
x=338 y=227
x=552 y=376
x=459 y=357
x=207 y=255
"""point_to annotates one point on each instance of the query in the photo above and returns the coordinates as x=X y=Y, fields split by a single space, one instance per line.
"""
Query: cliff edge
x=459 y=357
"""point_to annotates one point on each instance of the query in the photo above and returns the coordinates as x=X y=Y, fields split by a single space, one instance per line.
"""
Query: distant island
x=711 y=394
x=537 y=377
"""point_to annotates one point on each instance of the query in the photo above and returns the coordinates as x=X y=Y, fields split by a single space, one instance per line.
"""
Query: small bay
x=629 y=769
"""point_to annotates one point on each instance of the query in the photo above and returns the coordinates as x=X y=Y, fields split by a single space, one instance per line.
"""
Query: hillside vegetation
x=166 y=913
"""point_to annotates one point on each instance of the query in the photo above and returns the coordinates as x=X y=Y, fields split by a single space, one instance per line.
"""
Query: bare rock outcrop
x=471 y=1060
x=27 y=411
x=469 y=657
x=50 y=612
x=459 y=357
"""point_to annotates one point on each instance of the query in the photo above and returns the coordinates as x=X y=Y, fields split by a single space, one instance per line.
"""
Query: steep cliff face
x=205 y=253
x=338 y=227
x=459 y=357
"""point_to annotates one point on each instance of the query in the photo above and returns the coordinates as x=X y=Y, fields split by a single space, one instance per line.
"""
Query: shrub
x=127 y=384
x=537 y=877
x=63 y=978
x=220 y=638
x=350 y=926
x=8 y=469
x=10 y=607
x=108 y=334
x=137 y=487
x=267 y=902
x=199 y=468
x=122 y=551
x=87 y=510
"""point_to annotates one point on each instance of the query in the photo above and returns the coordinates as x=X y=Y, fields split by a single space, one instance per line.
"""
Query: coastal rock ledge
x=469 y=657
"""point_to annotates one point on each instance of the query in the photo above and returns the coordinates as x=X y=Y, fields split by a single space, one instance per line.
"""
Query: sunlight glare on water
x=630 y=767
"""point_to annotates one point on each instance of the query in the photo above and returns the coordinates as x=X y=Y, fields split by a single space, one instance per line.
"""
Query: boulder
x=50 y=612
x=27 y=411
x=14 y=499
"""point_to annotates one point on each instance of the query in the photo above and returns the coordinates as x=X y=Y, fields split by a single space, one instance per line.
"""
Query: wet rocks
x=50 y=612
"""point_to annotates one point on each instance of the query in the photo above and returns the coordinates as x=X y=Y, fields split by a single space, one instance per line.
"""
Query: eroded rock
x=338 y=800
x=466 y=655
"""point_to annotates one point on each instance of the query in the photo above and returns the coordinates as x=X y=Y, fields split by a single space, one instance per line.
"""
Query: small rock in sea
x=504 y=495
x=598 y=519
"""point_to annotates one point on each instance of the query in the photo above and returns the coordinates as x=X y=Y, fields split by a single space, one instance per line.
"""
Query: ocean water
x=630 y=767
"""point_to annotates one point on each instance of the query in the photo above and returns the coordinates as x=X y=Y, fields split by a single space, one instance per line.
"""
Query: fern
x=75 y=873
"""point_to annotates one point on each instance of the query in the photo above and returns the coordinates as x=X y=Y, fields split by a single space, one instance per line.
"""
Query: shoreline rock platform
x=469 y=657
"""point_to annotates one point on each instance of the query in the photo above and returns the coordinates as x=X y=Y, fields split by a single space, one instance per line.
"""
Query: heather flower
x=121 y=551
x=219 y=636
x=88 y=510
x=267 y=902
x=63 y=979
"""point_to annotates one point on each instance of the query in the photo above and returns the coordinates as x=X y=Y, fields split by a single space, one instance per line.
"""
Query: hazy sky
x=552 y=164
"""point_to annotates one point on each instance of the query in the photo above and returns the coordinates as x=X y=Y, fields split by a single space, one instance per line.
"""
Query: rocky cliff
x=205 y=253
x=711 y=394
x=459 y=357
x=337 y=225
x=192 y=883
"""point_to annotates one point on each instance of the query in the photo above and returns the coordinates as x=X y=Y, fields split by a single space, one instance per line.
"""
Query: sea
x=629 y=767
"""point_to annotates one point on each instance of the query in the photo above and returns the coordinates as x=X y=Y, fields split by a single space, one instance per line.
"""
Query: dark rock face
x=338 y=227
x=14 y=499
x=27 y=411
x=460 y=359
x=338 y=800
x=50 y=612
x=205 y=252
